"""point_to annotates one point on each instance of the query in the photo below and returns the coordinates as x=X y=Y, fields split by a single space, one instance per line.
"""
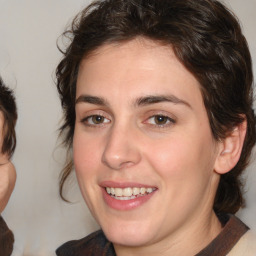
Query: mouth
x=128 y=193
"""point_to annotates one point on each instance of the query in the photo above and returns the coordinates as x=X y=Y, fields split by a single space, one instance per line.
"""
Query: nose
x=121 y=150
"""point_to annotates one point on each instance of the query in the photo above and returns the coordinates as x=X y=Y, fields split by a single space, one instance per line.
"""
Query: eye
x=95 y=120
x=160 y=120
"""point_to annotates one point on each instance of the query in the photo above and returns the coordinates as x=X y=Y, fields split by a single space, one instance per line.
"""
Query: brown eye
x=97 y=119
x=161 y=120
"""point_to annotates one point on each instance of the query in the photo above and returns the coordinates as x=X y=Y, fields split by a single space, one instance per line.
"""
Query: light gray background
x=28 y=57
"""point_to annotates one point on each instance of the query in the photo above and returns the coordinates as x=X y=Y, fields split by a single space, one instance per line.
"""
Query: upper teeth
x=128 y=191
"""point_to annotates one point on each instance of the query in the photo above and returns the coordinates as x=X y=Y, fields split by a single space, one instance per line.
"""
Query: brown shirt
x=6 y=239
x=96 y=244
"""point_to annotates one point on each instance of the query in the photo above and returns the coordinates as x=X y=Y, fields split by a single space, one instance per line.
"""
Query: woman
x=157 y=100
x=8 y=117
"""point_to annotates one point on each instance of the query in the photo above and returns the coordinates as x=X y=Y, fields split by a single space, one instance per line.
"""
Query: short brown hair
x=206 y=38
x=9 y=110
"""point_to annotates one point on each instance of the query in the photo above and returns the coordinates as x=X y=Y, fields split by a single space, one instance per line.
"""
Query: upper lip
x=114 y=184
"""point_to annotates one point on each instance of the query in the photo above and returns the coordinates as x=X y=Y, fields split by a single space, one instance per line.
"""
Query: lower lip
x=125 y=205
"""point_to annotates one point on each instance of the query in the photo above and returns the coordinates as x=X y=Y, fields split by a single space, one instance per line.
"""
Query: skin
x=7 y=172
x=178 y=157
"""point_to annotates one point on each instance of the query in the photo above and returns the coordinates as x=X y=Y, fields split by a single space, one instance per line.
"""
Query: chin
x=127 y=241
x=128 y=236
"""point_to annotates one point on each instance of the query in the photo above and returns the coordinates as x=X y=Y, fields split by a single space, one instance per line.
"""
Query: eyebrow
x=147 y=100
x=142 y=101
x=92 y=100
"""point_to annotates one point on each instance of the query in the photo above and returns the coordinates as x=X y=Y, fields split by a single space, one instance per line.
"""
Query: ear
x=230 y=149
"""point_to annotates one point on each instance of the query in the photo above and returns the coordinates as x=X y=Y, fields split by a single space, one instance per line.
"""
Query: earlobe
x=230 y=149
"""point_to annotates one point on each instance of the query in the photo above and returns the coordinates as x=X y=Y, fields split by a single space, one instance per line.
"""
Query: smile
x=128 y=193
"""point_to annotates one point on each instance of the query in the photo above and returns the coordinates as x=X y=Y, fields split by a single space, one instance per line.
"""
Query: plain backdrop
x=40 y=220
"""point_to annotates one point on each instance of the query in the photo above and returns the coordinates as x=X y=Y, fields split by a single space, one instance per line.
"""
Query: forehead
x=136 y=68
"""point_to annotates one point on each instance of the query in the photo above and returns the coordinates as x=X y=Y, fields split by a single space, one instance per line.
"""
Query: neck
x=188 y=241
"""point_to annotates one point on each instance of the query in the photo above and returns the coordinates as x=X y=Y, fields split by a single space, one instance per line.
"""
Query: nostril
x=127 y=164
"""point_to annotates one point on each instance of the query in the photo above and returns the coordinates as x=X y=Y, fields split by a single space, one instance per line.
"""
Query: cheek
x=170 y=155
x=85 y=154
x=86 y=161
x=181 y=156
x=184 y=167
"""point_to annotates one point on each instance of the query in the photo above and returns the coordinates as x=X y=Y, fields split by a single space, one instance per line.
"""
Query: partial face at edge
x=3 y=157
x=141 y=127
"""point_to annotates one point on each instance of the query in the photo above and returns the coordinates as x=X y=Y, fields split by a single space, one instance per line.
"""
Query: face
x=3 y=157
x=1 y=128
x=143 y=150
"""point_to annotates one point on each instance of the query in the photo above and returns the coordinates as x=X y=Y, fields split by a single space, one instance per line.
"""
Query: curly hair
x=9 y=110
x=205 y=36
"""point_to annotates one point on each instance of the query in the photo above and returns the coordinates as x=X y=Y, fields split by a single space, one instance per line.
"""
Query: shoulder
x=6 y=238
x=93 y=244
x=246 y=245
